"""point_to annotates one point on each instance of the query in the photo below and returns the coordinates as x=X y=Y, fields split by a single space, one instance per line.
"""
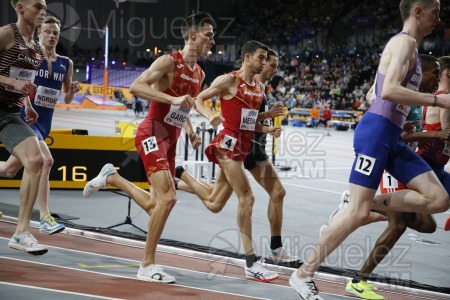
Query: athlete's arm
x=272 y=130
x=70 y=87
x=395 y=62
x=424 y=136
x=144 y=86
x=369 y=95
x=445 y=118
x=219 y=87
x=276 y=111
x=31 y=115
x=194 y=138
x=7 y=42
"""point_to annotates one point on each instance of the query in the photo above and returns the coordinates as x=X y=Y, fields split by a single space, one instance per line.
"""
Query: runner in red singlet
x=171 y=83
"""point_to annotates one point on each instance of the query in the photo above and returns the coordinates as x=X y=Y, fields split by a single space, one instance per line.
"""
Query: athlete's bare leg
x=10 y=167
x=163 y=190
x=266 y=175
x=142 y=198
x=419 y=198
x=44 y=186
x=29 y=154
x=340 y=228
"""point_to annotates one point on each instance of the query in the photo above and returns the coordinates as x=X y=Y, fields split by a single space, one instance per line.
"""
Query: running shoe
x=306 y=288
x=447 y=224
x=154 y=273
x=363 y=290
x=281 y=255
x=343 y=202
x=98 y=182
x=48 y=225
x=25 y=241
x=259 y=273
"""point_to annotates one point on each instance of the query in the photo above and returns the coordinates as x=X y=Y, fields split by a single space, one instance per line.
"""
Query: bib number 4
x=228 y=142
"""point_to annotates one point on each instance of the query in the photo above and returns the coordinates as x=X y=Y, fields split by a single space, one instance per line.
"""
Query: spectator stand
x=340 y=117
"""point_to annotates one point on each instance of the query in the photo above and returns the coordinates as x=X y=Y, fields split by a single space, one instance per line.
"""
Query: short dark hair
x=52 y=20
x=406 y=6
x=428 y=62
x=251 y=47
x=444 y=62
x=271 y=53
x=195 y=21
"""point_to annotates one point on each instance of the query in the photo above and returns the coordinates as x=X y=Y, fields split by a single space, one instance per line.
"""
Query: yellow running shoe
x=363 y=290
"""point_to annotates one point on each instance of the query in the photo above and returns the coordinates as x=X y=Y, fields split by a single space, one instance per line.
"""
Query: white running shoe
x=258 y=272
x=281 y=255
x=154 y=273
x=306 y=288
x=343 y=202
x=98 y=182
x=25 y=241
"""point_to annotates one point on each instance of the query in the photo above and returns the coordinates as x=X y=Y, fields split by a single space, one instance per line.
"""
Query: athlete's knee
x=438 y=204
x=48 y=162
x=422 y=224
x=215 y=207
x=34 y=163
x=168 y=202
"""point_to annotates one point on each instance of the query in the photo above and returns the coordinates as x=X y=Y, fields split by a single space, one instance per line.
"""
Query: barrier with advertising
x=79 y=158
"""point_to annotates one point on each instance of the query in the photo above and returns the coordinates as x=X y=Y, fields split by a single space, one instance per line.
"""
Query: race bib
x=228 y=142
x=248 y=119
x=149 y=145
x=22 y=75
x=46 y=97
x=389 y=182
x=404 y=109
x=177 y=116
x=446 y=150
x=364 y=164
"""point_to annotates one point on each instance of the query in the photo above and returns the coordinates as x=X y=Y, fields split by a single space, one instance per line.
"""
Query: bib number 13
x=150 y=144
x=364 y=164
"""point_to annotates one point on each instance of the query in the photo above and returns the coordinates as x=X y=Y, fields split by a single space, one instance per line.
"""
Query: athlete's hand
x=409 y=126
x=24 y=87
x=31 y=115
x=444 y=134
x=195 y=140
x=276 y=111
x=274 y=131
x=185 y=101
x=443 y=101
x=75 y=87
x=216 y=120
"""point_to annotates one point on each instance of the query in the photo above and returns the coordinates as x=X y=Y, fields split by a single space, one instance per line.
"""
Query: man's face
x=204 y=39
x=49 y=34
x=258 y=60
x=270 y=69
x=33 y=11
x=429 y=16
x=430 y=79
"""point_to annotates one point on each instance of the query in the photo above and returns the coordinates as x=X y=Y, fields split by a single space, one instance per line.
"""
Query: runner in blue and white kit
x=54 y=73
x=378 y=146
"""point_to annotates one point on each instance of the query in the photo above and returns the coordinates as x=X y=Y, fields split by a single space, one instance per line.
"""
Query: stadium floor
x=97 y=263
